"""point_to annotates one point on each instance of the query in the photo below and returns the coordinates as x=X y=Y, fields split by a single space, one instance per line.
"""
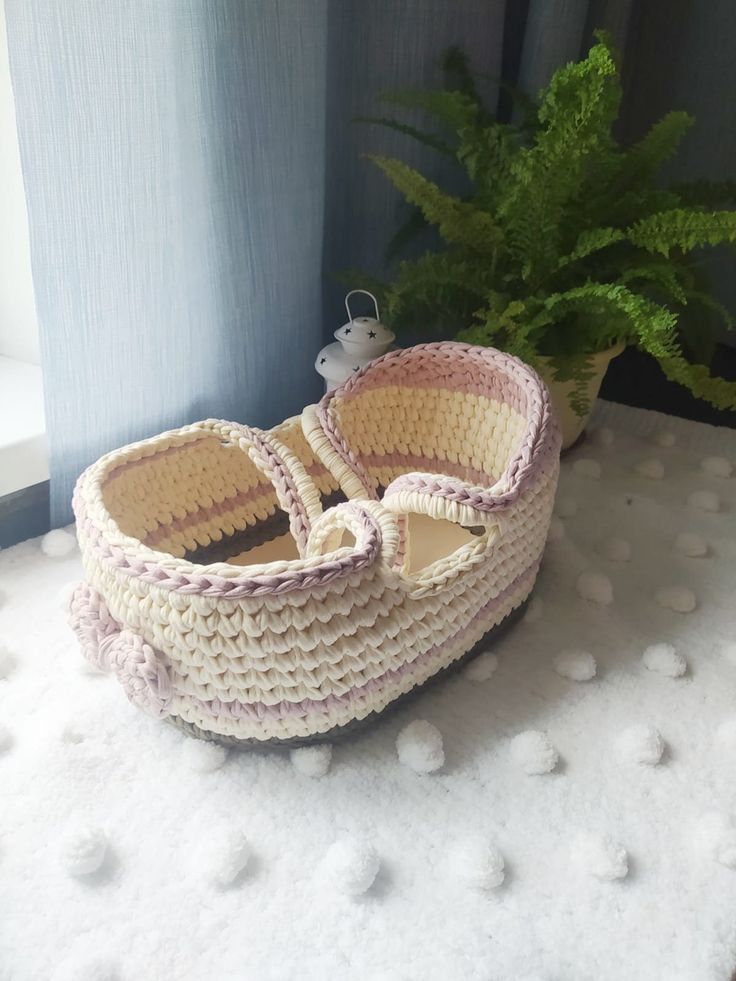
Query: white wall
x=18 y=325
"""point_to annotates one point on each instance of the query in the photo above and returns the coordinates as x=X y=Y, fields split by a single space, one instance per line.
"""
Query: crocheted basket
x=280 y=586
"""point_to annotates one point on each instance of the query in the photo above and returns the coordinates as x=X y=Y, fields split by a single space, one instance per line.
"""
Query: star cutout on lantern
x=371 y=333
x=347 y=331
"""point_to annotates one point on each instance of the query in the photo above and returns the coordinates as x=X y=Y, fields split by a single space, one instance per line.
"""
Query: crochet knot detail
x=91 y=621
x=142 y=673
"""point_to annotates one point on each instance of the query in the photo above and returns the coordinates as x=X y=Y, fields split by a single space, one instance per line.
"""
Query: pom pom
x=6 y=739
x=716 y=837
x=72 y=733
x=534 y=753
x=84 y=849
x=566 y=507
x=663 y=659
x=600 y=856
x=641 y=744
x=419 y=746
x=603 y=436
x=704 y=500
x=534 y=611
x=616 y=549
x=351 y=865
x=85 y=968
x=665 y=439
x=716 y=466
x=58 y=543
x=596 y=587
x=556 y=530
x=311 y=761
x=477 y=863
x=726 y=734
x=225 y=856
x=729 y=652
x=587 y=467
x=482 y=667
x=7 y=663
x=575 y=665
x=726 y=850
x=677 y=598
x=652 y=469
x=203 y=757
x=691 y=544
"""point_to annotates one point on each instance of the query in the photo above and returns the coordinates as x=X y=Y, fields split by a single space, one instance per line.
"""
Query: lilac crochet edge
x=237 y=587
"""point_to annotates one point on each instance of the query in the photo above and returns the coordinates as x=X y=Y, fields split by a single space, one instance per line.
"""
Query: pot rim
x=608 y=354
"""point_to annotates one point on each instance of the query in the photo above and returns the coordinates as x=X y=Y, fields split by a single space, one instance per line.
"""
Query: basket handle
x=296 y=492
x=449 y=498
x=375 y=530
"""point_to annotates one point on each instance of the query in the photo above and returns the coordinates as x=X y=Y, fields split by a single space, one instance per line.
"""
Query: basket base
x=351 y=729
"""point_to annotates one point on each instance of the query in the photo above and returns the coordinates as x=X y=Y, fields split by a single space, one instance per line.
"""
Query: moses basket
x=280 y=586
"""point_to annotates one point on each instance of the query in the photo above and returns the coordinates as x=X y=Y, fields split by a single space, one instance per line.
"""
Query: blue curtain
x=191 y=174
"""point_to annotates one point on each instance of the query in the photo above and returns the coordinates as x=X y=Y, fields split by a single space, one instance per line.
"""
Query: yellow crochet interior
x=190 y=497
x=206 y=501
x=397 y=429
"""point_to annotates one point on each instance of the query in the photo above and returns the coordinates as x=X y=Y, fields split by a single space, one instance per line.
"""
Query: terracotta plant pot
x=573 y=425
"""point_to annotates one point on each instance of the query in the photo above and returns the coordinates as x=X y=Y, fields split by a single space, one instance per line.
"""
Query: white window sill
x=23 y=446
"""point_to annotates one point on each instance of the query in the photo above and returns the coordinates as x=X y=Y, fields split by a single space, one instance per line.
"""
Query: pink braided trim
x=210 y=584
x=483 y=366
x=255 y=711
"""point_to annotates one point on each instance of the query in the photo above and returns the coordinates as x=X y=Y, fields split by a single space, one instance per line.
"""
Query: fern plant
x=565 y=242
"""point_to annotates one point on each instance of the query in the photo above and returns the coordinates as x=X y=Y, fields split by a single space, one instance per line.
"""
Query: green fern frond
x=460 y=77
x=576 y=112
x=436 y=281
x=504 y=326
x=590 y=241
x=661 y=274
x=718 y=392
x=427 y=139
x=565 y=243
x=455 y=109
x=683 y=228
x=405 y=234
x=486 y=153
x=645 y=158
x=458 y=221
x=645 y=318
x=706 y=194
x=710 y=303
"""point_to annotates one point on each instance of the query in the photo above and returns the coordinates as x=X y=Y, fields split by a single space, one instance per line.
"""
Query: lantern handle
x=351 y=293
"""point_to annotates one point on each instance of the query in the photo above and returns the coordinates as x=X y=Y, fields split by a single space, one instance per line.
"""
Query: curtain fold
x=193 y=180
x=173 y=158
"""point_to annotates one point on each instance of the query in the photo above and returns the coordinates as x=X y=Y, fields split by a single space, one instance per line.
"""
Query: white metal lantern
x=359 y=341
